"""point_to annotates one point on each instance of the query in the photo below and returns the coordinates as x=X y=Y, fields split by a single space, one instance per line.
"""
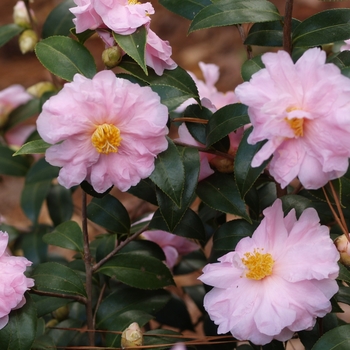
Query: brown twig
x=287 y=27
x=337 y=203
x=243 y=37
x=78 y=298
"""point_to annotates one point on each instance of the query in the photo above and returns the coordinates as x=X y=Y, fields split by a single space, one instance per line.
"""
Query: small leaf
x=251 y=66
x=59 y=21
x=65 y=57
x=109 y=213
x=187 y=9
x=66 y=235
x=33 y=147
x=245 y=174
x=220 y=192
x=138 y=271
x=13 y=166
x=9 y=31
x=57 y=278
x=323 y=28
x=226 y=120
x=134 y=45
x=336 y=339
x=226 y=12
x=169 y=173
x=20 y=331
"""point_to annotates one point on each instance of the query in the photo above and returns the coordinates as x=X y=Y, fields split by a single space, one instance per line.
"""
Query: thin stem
x=31 y=20
x=287 y=27
x=59 y=295
x=119 y=247
x=99 y=302
x=88 y=270
x=337 y=203
x=243 y=37
x=191 y=120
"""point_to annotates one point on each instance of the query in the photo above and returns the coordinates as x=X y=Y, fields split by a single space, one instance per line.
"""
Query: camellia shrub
x=249 y=190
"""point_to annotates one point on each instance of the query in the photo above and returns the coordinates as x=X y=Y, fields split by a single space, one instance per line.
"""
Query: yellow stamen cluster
x=106 y=138
x=259 y=265
x=133 y=2
x=297 y=125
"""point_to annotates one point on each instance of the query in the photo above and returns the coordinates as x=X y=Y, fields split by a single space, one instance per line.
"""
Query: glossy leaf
x=251 y=66
x=162 y=336
x=187 y=9
x=293 y=201
x=109 y=213
x=344 y=274
x=33 y=147
x=138 y=271
x=20 y=331
x=220 y=192
x=66 y=235
x=46 y=305
x=172 y=213
x=9 y=31
x=144 y=247
x=323 y=28
x=145 y=190
x=226 y=120
x=191 y=262
x=36 y=187
x=57 y=278
x=169 y=173
x=174 y=86
x=245 y=174
x=63 y=337
x=268 y=33
x=60 y=20
x=134 y=45
x=65 y=57
x=14 y=166
x=228 y=12
x=342 y=60
x=336 y=339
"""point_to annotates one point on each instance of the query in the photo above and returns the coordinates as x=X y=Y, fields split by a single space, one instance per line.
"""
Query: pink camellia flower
x=11 y=98
x=302 y=111
x=13 y=281
x=276 y=282
x=346 y=46
x=158 y=53
x=109 y=131
x=121 y=16
x=208 y=93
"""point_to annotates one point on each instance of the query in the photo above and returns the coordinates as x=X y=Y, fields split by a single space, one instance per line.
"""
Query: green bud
x=27 y=41
x=112 y=56
x=38 y=89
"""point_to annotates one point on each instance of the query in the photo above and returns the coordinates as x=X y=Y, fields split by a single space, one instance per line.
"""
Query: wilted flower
x=132 y=336
x=13 y=281
x=11 y=98
x=276 y=282
x=109 y=131
x=302 y=111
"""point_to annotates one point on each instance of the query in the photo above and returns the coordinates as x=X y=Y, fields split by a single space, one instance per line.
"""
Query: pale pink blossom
x=17 y=135
x=11 y=98
x=346 y=46
x=109 y=131
x=302 y=111
x=276 y=282
x=13 y=282
x=158 y=53
x=121 y=16
x=179 y=346
x=208 y=93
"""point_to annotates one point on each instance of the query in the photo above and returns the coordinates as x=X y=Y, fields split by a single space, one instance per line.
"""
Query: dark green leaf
x=187 y=8
x=145 y=190
x=251 y=66
x=344 y=274
x=220 y=192
x=66 y=235
x=189 y=263
x=323 y=28
x=43 y=342
x=104 y=245
x=14 y=166
x=59 y=21
x=36 y=187
x=46 y=305
x=268 y=33
x=8 y=31
x=162 y=336
x=82 y=37
x=32 y=147
x=336 y=339
x=57 y=278
x=293 y=201
x=245 y=174
x=169 y=173
x=34 y=248
x=19 y=333
x=144 y=247
x=342 y=60
x=65 y=57
x=139 y=271
x=228 y=12
x=197 y=293
x=63 y=337
x=226 y=120
x=134 y=45
x=109 y=213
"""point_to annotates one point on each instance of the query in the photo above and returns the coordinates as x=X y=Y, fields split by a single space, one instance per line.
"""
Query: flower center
x=133 y=2
x=297 y=124
x=106 y=138
x=259 y=265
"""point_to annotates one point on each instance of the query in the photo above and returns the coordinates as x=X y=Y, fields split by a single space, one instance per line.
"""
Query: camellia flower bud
x=38 y=89
x=132 y=336
x=20 y=15
x=27 y=41
x=342 y=244
x=112 y=56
